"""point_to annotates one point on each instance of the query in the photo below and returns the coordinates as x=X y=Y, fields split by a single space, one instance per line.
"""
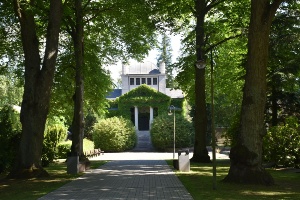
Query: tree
x=246 y=156
x=38 y=81
x=200 y=118
x=211 y=32
x=165 y=56
x=283 y=71
x=122 y=40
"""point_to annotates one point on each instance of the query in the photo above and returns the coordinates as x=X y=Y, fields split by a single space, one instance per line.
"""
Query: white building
x=133 y=77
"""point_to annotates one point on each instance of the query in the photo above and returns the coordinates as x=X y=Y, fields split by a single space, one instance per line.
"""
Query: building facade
x=144 y=93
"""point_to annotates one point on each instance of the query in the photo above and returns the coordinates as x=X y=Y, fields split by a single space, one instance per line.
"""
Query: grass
x=199 y=182
x=34 y=188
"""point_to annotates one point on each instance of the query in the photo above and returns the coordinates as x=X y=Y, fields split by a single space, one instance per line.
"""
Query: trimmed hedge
x=162 y=132
x=114 y=134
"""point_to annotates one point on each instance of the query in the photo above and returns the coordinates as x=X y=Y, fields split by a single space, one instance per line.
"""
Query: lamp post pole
x=213 y=122
x=174 y=130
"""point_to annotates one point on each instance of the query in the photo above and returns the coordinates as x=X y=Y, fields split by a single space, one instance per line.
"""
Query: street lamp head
x=170 y=109
x=200 y=64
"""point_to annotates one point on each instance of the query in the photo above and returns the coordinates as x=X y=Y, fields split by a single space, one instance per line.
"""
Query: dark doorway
x=144 y=118
x=144 y=121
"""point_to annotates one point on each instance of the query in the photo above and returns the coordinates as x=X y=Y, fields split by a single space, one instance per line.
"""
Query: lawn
x=199 y=183
x=35 y=188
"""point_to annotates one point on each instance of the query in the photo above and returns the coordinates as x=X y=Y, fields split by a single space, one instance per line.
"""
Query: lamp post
x=174 y=131
x=213 y=121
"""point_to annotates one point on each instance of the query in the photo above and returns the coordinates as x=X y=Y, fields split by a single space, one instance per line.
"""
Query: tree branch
x=221 y=42
x=212 y=4
x=96 y=12
x=273 y=7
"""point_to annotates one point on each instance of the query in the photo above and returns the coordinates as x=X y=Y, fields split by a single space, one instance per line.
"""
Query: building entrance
x=143 y=119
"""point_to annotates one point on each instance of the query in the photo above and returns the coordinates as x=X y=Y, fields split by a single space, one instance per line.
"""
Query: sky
x=116 y=70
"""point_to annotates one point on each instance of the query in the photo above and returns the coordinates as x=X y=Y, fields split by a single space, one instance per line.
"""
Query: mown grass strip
x=38 y=187
x=199 y=182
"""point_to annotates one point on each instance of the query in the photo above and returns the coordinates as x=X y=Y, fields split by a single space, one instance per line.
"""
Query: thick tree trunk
x=200 y=118
x=37 y=88
x=246 y=156
x=78 y=118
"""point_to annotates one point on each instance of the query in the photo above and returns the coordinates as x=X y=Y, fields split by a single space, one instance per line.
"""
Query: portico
x=143 y=117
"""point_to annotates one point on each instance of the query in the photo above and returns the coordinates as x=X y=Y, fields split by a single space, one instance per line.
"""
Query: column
x=151 y=117
x=136 y=117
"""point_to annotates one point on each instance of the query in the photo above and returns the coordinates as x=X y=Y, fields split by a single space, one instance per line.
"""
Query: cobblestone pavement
x=125 y=179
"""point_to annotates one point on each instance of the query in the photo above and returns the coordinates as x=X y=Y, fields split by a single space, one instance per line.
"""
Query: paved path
x=140 y=174
x=125 y=179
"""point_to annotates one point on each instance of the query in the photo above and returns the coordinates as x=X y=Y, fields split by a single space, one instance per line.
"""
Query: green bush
x=162 y=132
x=282 y=144
x=232 y=133
x=89 y=120
x=63 y=148
x=10 y=134
x=114 y=134
x=55 y=132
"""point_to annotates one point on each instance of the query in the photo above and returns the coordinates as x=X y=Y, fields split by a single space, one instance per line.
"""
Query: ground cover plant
x=199 y=183
x=38 y=187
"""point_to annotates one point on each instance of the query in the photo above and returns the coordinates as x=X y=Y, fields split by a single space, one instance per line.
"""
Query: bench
x=94 y=152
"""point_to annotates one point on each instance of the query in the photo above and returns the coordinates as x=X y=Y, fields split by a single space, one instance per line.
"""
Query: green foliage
x=10 y=89
x=114 y=134
x=231 y=134
x=55 y=132
x=282 y=144
x=89 y=120
x=64 y=148
x=283 y=67
x=10 y=134
x=143 y=96
x=162 y=132
x=113 y=109
x=165 y=55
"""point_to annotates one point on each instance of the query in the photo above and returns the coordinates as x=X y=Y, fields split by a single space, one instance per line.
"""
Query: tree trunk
x=78 y=118
x=37 y=88
x=200 y=118
x=246 y=156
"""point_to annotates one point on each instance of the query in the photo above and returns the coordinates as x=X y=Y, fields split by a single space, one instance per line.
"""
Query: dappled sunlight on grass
x=37 y=187
x=266 y=193
x=199 y=182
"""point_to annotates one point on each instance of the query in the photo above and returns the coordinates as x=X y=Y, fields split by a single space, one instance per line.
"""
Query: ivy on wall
x=143 y=96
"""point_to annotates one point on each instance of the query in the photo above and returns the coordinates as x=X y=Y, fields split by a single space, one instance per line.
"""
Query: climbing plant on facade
x=143 y=96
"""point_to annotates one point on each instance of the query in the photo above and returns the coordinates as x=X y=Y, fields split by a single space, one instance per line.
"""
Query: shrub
x=63 y=148
x=114 y=134
x=232 y=133
x=10 y=134
x=89 y=120
x=282 y=144
x=162 y=132
x=55 y=132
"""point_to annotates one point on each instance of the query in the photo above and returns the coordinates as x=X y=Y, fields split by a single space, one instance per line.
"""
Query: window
x=149 y=81
x=154 y=81
x=143 y=80
x=137 y=81
x=131 y=81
